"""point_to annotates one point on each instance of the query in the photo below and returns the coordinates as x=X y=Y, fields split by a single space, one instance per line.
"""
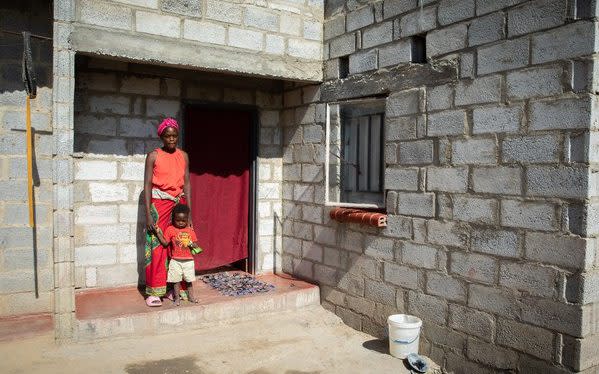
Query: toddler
x=180 y=239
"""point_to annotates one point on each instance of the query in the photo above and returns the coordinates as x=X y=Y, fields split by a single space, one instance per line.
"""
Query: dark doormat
x=236 y=284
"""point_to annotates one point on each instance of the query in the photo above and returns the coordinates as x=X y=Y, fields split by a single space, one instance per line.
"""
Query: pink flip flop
x=153 y=301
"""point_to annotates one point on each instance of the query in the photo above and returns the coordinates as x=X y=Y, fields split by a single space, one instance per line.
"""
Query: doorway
x=220 y=142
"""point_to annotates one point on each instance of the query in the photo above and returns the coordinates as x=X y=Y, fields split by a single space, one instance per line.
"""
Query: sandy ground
x=311 y=340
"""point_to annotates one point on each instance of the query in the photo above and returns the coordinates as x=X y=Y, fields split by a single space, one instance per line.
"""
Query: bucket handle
x=398 y=341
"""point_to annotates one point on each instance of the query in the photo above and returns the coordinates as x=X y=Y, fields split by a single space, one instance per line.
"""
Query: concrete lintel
x=186 y=54
x=384 y=81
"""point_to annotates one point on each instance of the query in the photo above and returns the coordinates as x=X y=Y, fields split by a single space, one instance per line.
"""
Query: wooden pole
x=29 y=163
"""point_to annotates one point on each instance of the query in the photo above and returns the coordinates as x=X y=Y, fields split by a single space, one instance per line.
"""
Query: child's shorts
x=179 y=270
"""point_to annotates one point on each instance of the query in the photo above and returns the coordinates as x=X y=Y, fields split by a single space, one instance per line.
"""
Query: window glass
x=355 y=142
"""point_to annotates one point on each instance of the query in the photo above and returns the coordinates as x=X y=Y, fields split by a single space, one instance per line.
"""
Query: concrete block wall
x=581 y=287
x=145 y=30
x=490 y=180
x=267 y=37
x=269 y=233
x=17 y=240
x=117 y=109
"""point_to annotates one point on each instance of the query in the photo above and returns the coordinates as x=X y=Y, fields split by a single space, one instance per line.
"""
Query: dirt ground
x=311 y=340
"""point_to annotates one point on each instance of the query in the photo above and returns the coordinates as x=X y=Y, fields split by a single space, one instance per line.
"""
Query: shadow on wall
x=277 y=250
x=34 y=16
x=117 y=111
x=140 y=241
x=346 y=260
x=26 y=278
x=17 y=17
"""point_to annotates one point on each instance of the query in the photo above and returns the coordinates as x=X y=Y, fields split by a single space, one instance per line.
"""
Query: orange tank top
x=169 y=172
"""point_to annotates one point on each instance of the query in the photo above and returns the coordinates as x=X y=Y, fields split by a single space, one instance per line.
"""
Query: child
x=181 y=241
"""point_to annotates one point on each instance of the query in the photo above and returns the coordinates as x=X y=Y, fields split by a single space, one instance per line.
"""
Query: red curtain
x=218 y=144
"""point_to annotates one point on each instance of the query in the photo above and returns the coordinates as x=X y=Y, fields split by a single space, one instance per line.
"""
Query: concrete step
x=115 y=312
x=25 y=326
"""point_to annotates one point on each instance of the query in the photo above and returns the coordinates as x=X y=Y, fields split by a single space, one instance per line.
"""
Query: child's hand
x=156 y=229
x=195 y=249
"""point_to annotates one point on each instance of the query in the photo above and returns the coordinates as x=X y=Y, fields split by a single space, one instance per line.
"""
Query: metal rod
x=30 y=195
x=29 y=162
x=327 y=151
x=32 y=35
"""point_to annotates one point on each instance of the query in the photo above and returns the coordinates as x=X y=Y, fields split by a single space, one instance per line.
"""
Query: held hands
x=158 y=234
x=157 y=230
x=150 y=224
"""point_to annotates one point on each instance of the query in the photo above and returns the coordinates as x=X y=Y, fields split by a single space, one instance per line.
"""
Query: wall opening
x=419 y=49
x=354 y=167
x=343 y=67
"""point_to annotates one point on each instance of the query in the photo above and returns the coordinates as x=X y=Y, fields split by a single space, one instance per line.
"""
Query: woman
x=166 y=183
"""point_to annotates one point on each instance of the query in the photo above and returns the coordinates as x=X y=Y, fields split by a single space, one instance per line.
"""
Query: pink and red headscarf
x=168 y=122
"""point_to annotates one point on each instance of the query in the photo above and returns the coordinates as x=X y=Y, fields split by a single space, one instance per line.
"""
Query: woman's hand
x=159 y=235
x=150 y=223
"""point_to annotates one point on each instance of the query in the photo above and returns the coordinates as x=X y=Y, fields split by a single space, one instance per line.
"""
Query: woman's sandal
x=193 y=300
x=153 y=301
x=177 y=302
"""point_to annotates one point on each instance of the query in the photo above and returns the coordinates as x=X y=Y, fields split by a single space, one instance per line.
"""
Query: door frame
x=253 y=193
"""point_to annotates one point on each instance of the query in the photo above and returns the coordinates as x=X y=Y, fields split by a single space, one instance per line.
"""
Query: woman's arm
x=187 y=184
x=150 y=159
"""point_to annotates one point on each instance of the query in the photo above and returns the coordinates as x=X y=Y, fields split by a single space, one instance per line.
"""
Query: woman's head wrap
x=168 y=122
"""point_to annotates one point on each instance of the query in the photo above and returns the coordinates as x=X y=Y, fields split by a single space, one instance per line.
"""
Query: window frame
x=328 y=154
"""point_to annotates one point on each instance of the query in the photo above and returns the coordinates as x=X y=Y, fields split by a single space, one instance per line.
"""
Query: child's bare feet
x=190 y=294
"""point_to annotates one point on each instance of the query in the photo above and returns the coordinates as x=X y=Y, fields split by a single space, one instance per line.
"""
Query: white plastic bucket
x=404 y=334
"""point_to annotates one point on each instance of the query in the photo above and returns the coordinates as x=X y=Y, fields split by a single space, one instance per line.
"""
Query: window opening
x=355 y=153
x=419 y=49
x=343 y=67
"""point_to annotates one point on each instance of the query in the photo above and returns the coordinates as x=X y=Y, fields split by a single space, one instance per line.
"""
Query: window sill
x=361 y=216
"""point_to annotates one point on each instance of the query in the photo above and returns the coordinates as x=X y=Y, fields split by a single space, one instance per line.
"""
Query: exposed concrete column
x=62 y=170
